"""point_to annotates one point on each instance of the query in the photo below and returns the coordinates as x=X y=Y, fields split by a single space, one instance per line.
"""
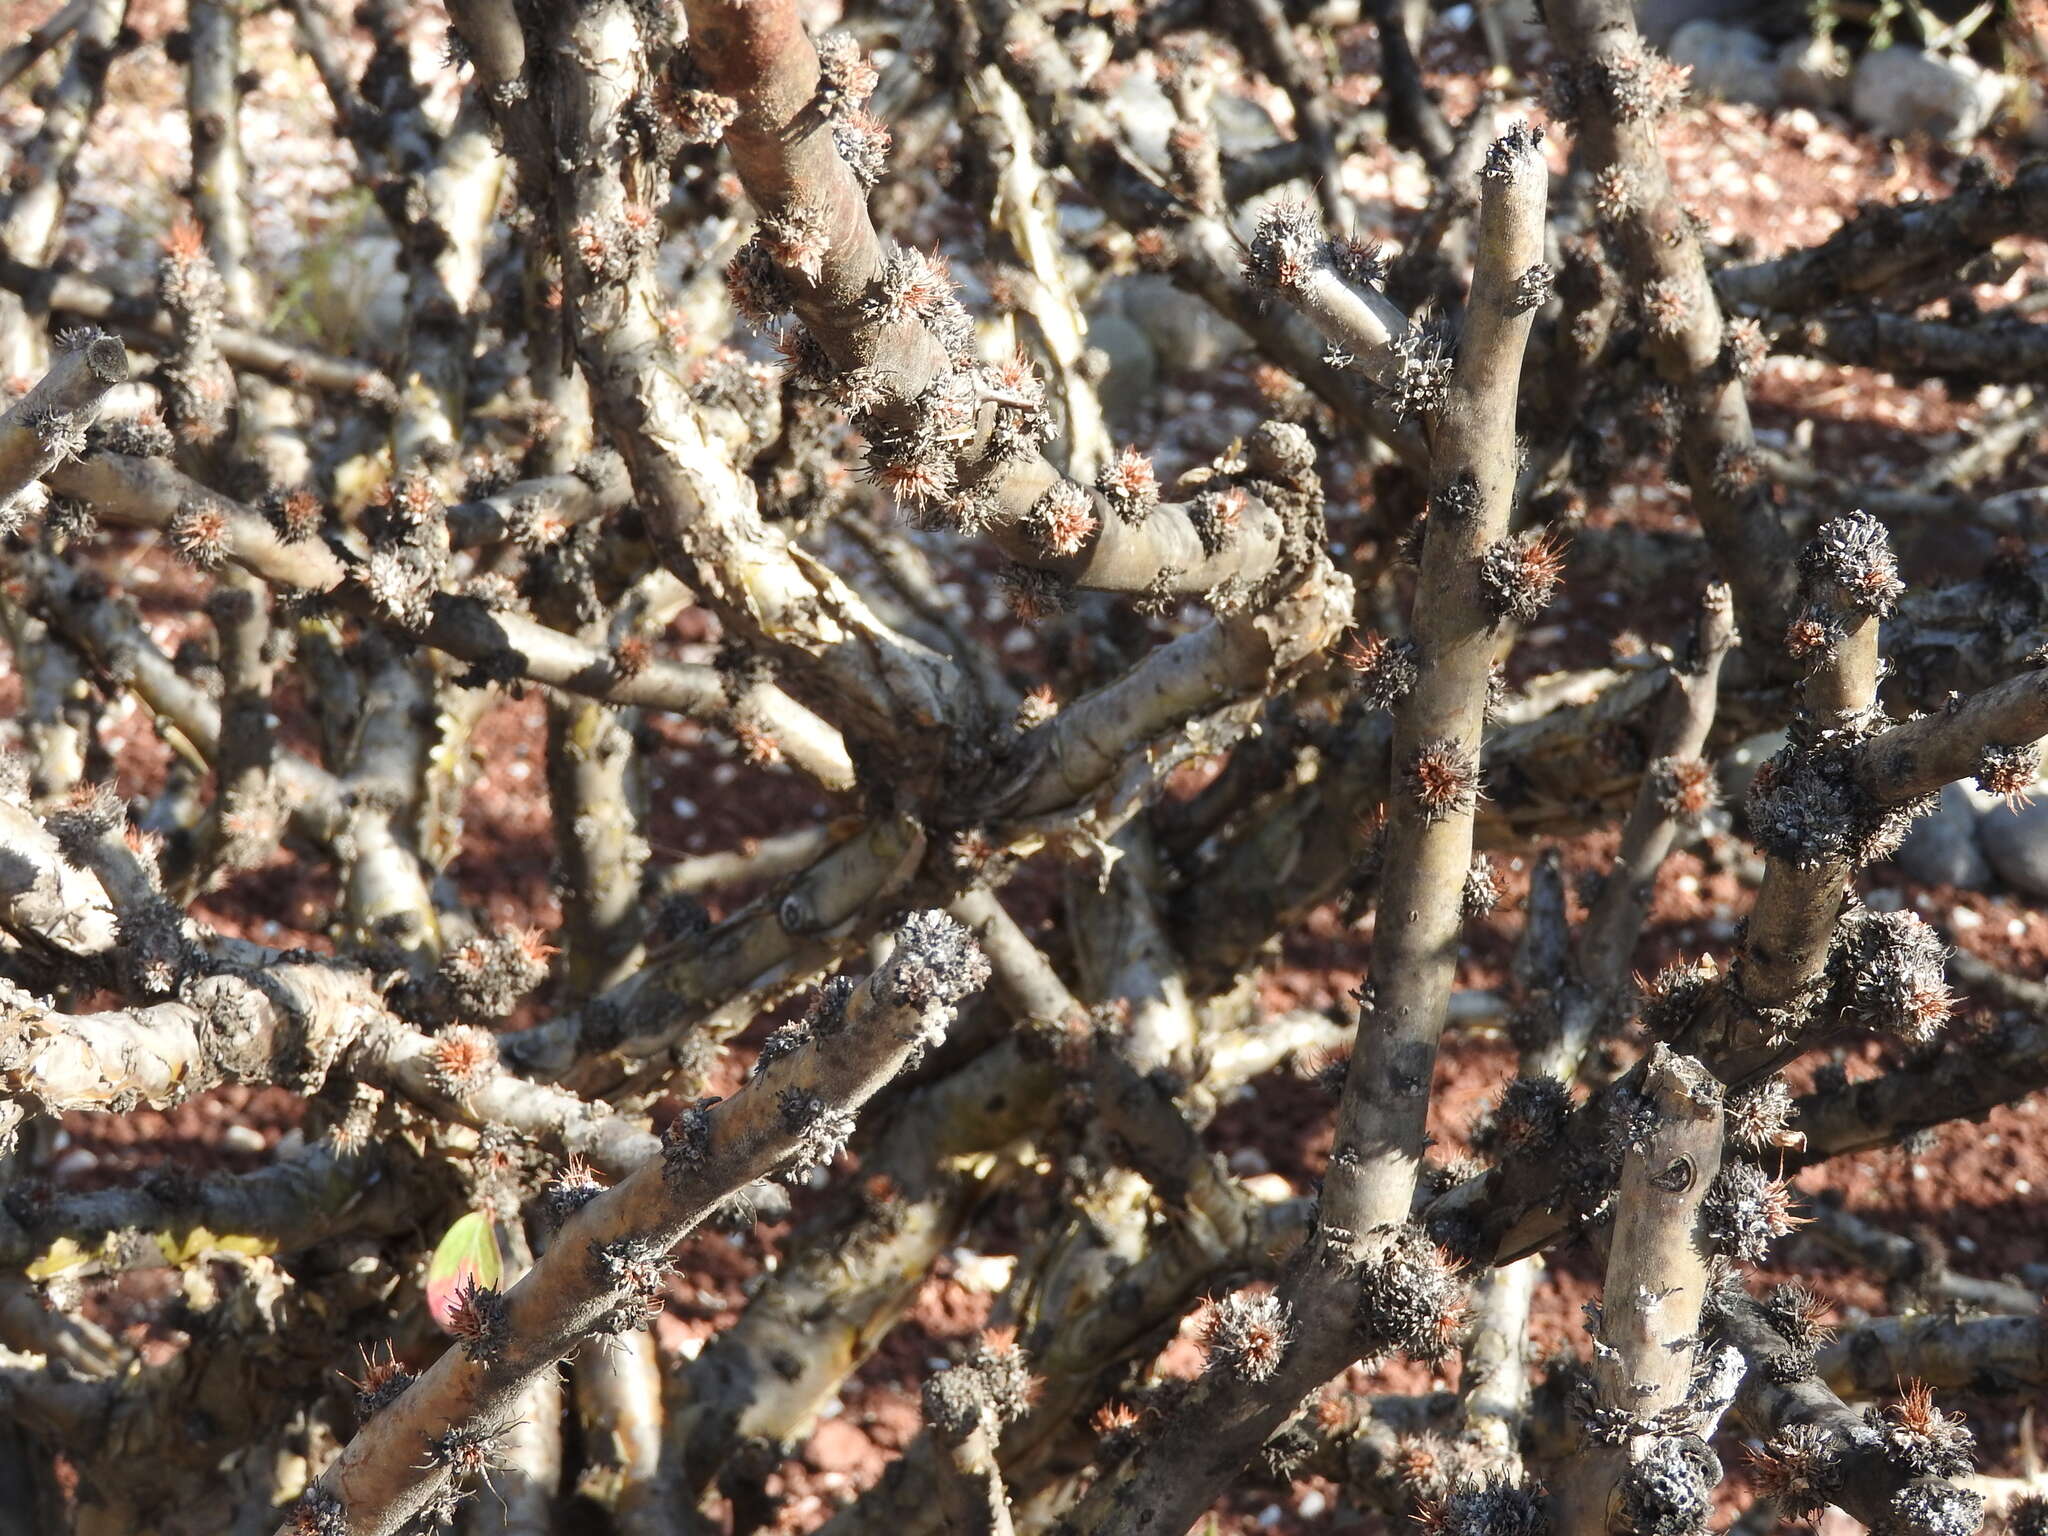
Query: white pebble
x=1964 y=919
x=1269 y=1517
x=243 y=1138
x=2023 y=1186
x=520 y=772
x=79 y=1160
x=2015 y=929
x=683 y=806
x=1919 y=1170
x=1311 y=1504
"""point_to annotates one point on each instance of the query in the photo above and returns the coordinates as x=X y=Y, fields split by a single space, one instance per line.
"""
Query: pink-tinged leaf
x=469 y=1251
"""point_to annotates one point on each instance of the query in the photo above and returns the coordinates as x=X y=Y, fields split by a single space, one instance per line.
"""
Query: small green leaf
x=468 y=1251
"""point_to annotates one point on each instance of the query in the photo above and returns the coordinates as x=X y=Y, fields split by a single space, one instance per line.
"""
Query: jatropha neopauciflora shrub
x=706 y=664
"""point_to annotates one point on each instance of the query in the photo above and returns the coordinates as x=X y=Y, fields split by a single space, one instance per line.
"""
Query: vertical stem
x=1657 y=1275
x=1437 y=728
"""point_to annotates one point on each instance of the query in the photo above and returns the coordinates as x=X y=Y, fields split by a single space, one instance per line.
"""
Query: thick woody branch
x=618 y=1403
x=1989 y=349
x=1964 y=1081
x=761 y=57
x=1890 y=245
x=150 y=493
x=213 y=105
x=284 y=1025
x=595 y=490
x=1988 y=1356
x=40 y=40
x=1675 y=790
x=312 y=1197
x=1912 y=1272
x=597 y=1273
x=1666 y=802
x=282 y=1021
x=1785 y=944
x=1896 y=1478
x=1200 y=250
x=144 y=325
x=1438 y=726
x=1616 y=90
x=1917 y=757
x=43 y=171
x=1369 y=1187
x=47 y=425
x=1658 y=1273
x=45 y=900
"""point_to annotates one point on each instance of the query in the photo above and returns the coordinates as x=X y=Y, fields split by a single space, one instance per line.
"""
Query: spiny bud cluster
x=1130 y=486
x=382 y=1383
x=1922 y=1439
x=1422 y=376
x=1246 y=1333
x=1508 y=156
x=1746 y=1210
x=1806 y=807
x=485 y=977
x=1890 y=973
x=992 y=1387
x=686 y=1141
x=2009 y=771
x=694 y=114
x=1685 y=787
x=1063 y=520
x=1443 y=779
x=461 y=1059
x=1759 y=1116
x=1668 y=1489
x=936 y=963
x=1481 y=893
x=201 y=385
x=821 y=1131
x=477 y=1319
x=1385 y=670
x=637 y=1268
x=1491 y=1505
x=574 y=1187
x=1032 y=594
x=1287 y=247
x=611 y=246
x=1796 y=1313
x=845 y=77
x=1637 y=84
x=199 y=531
x=1520 y=574
x=296 y=513
x=1799 y=1468
x=1529 y=1117
x=1850 y=559
x=1409 y=1296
